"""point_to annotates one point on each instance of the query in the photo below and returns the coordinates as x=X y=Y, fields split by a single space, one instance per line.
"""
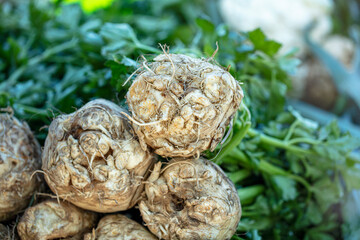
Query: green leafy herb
x=295 y=178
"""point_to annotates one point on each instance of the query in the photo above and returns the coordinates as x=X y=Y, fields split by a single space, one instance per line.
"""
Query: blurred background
x=295 y=59
x=325 y=36
x=322 y=34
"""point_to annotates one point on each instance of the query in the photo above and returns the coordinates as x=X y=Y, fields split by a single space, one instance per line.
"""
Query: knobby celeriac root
x=92 y=159
x=181 y=105
x=52 y=220
x=190 y=199
x=119 y=227
x=20 y=156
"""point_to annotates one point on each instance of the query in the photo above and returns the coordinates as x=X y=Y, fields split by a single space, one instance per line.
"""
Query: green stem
x=236 y=139
x=277 y=142
x=303 y=140
x=270 y=169
x=291 y=130
x=233 y=160
x=238 y=157
x=288 y=145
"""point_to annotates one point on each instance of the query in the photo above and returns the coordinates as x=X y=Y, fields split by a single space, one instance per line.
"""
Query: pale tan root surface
x=92 y=159
x=181 y=105
x=20 y=156
x=190 y=199
x=119 y=227
x=51 y=220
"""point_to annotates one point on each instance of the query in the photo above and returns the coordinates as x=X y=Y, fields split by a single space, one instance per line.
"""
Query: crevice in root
x=75 y=132
x=177 y=203
x=46 y=195
x=39 y=171
x=105 y=156
x=56 y=196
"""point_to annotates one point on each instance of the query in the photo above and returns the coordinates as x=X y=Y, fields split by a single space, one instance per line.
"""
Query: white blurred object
x=281 y=20
x=341 y=48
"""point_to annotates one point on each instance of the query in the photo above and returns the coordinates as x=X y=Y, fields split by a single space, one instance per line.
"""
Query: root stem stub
x=191 y=101
x=190 y=201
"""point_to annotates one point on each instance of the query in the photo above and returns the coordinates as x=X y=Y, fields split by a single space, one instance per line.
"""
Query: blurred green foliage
x=292 y=174
x=91 y=5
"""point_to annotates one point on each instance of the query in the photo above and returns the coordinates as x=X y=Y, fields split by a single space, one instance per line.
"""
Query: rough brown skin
x=92 y=159
x=51 y=220
x=20 y=156
x=190 y=199
x=119 y=227
x=183 y=105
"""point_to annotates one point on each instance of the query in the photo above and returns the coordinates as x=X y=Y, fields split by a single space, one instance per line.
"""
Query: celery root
x=119 y=227
x=92 y=159
x=20 y=156
x=190 y=199
x=181 y=105
x=53 y=220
